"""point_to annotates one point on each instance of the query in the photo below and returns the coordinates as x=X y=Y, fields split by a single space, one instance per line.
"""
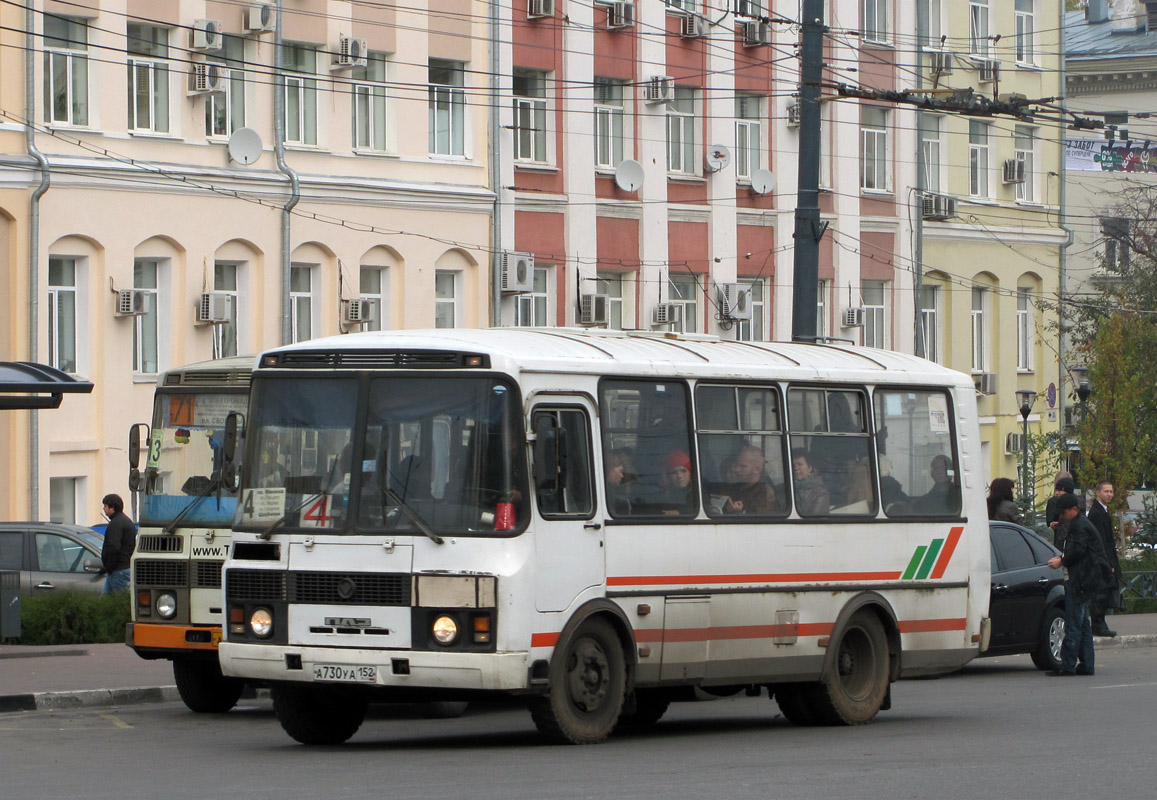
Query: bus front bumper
x=168 y=641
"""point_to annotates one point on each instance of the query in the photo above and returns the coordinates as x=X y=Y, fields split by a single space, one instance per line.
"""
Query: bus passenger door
x=568 y=539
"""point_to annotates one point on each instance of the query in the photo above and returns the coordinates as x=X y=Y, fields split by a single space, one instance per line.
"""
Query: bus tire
x=318 y=716
x=588 y=681
x=856 y=684
x=202 y=686
x=644 y=709
x=794 y=701
x=446 y=709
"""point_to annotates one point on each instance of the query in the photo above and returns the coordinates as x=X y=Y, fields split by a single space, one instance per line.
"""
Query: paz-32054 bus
x=601 y=522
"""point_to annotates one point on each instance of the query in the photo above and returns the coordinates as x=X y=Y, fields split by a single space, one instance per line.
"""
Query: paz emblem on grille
x=346 y=588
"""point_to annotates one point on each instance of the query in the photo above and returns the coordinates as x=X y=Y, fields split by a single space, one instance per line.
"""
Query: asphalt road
x=999 y=729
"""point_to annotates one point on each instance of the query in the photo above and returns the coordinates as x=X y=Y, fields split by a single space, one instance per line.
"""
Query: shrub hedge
x=73 y=618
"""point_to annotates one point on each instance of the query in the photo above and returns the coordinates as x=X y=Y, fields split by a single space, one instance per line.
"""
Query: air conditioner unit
x=659 y=89
x=351 y=52
x=734 y=301
x=666 y=314
x=214 y=308
x=594 y=309
x=517 y=272
x=941 y=62
x=1014 y=171
x=261 y=18
x=756 y=34
x=852 y=317
x=208 y=34
x=206 y=79
x=985 y=382
x=1014 y=444
x=938 y=206
x=989 y=71
x=133 y=303
x=540 y=9
x=793 y=114
x=620 y=15
x=694 y=27
x=359 y=310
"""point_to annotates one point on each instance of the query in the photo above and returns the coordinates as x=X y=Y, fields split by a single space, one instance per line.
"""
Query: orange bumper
x=175 y=637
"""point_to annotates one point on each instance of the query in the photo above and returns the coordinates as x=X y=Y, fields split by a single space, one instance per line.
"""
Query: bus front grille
x=350 y=588
x=168 y=574
x=158 y=544
x=254 y=584
x=208 y=575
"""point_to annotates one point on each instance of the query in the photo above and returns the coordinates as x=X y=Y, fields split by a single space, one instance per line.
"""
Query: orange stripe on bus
x=932 y=625
x=787 y=577
x=946 y=553
x=543 y=639
x=171 y=637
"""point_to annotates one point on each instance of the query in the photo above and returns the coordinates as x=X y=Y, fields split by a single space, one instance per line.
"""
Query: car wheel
x=1047 y=655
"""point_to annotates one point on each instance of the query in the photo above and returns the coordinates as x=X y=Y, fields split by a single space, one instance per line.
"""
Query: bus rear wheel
x=856 y=685
x=794 y=700
x=644 y=708
x=202 y=686
x=588 y=679
x=317 y=715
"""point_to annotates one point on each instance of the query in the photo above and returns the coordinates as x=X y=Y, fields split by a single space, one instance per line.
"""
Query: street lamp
x=1025 y=399
x=1081 y=375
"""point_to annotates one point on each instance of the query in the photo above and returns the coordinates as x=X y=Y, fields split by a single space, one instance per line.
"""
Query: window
x=373 y=284
x=225 y=111
x=62 y=313
x=684 y=291
x=754 y=329
x=65 y=70
x=915 y=455
x=875 y=314
x=751 y=8
x=979 y=329
x=301 y=302
x=445 y=299
x=681 y=132
x=609 y=117
x=830 y=452
x=874 y=152
x=148 y=46
x=875 y=20
x=11 y=550
x=225 y=334
x=530 y=116
x=369 y=102
x=300 y=93
x=823 y=291
x=978 y=28
x=62 y=493
x=825 y=146
x=1024 y=328
x=612 y=285
x=567 y=489
x=930 y=321
x=56 y=553
x=683 y=5
x=930 y=22
x=1025 y=30
x=531 y=310
x=741 y=450
x=145 y=326
x=1117 y=244
x=1024 y=143
x=978 y=176
x=748 y=135
x=930 y=151
x=447 y=108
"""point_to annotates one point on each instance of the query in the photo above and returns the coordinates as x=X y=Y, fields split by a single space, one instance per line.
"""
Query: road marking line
x=1125 y=685
x=115 y=721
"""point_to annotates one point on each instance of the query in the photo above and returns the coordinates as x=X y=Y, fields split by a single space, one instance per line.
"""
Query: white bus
x=602 y=522
x=186 y=513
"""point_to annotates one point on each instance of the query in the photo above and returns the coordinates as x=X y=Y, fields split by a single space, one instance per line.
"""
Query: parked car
x=51 y=557
x=1027 y=603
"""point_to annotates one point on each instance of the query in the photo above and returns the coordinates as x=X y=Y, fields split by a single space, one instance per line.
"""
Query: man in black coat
x=120 y=539
x=1088 y=569
x=1103 y=521
x=1063 y=486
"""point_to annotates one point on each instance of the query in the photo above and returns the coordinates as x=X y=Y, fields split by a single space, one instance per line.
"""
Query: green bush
x=73 y=618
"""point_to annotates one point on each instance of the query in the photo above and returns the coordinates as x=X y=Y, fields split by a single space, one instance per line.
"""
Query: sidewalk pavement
x=72 y=676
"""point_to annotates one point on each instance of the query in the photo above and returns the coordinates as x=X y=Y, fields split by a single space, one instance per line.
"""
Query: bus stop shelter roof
x=24 y=384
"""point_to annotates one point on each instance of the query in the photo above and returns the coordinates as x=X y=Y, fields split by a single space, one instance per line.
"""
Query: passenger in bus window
x=811 y=496
x=677 y=496
x=619 y=476
x=944 y=496
x=748 y=490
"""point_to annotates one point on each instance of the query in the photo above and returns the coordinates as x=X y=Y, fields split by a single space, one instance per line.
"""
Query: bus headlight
x=166 y=605
x=261 y=622
x=445 y=630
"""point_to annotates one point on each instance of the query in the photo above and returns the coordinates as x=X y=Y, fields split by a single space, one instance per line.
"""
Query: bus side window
x=916 y=453
x=562 y=463
x=829 y=433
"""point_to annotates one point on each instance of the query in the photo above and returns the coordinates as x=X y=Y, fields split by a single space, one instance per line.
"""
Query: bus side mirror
x=229 y=451
x=135 y=455
x=545 y=453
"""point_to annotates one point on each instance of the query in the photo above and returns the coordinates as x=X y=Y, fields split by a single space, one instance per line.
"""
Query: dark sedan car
x=51 y=557
x=1027 y=604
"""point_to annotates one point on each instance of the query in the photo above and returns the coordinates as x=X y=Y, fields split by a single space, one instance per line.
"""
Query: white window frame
x=615 y=286
x=533 y=309
x=63 y=344
x=1025 y=340
x=1115 y=233
x=1025 y=27
x=65 y=495
x=823 y=303
x=684 y=290
x=227 y=280
x=1024 y=144
x=610 y=117
x=447 y=104
x=754 y=329
x=825 y=145
x=370 y=102
x=875 y=173
x=931 y=151
x=748 y=134
x=228 y=106
x=979 y=25
x=145 y=327
x=302 y=303
x=875 y=26
x=979 y=159
x=301 y=91
x=930 y=295
x=685 y=6
x=447 y=296
x=531 y=116
x=72 y=58
x=682 y=125
x=979 y=317
x=935 y=26
x=874 y=295
x=381 y=294
x=148 y=77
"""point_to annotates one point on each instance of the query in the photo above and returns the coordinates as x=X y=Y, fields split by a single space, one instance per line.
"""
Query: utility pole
x=808 y=229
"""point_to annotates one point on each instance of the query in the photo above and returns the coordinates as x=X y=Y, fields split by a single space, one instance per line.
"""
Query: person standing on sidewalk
x=1110 y=596
x=120 y=539
x=1087 y=570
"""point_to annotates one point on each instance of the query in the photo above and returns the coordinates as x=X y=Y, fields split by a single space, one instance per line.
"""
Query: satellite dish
x=762 y=181
x=718 y=157
x=245 y=145
x=629 y=175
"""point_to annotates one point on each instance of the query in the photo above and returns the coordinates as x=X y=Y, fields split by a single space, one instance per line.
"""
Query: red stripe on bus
x=946 y=553
x=649 y=635
x=543 y=639
x=932 y=625
x=788 y=577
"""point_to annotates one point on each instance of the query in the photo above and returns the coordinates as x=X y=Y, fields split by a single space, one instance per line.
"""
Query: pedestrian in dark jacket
x=1063 y=486
x=1001 y=504
x=1103 y=521
x=1087 y=569
x=120 y=539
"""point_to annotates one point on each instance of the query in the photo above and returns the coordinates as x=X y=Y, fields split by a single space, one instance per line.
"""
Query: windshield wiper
x=213 y=484
x=419 y=523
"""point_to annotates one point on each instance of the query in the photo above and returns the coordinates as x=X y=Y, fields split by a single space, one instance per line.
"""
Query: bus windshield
x=184 y=456
x=436 y=454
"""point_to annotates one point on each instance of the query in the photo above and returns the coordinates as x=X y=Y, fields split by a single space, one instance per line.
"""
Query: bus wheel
x=794 y=700
x=644 y=708
x=857 y=683
x=202 y=686
x=588 y=679
x=446 y=709
x=313 y=715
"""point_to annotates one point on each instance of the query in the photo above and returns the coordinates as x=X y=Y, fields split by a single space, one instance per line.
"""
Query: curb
x=1125 y=642
x=86 y=698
